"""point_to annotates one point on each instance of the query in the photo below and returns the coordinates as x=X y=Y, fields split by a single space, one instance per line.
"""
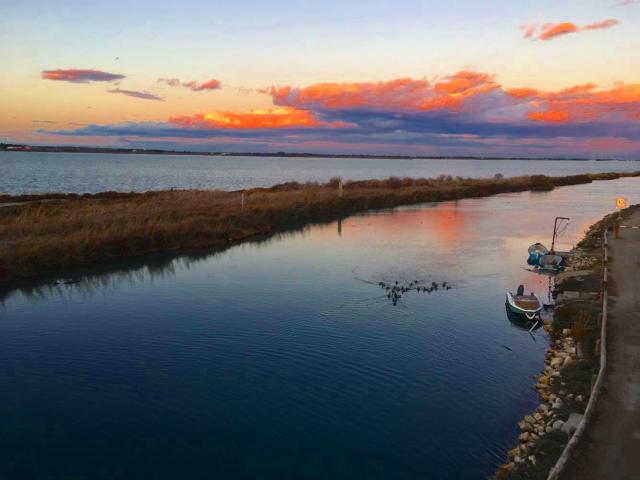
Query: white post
x=340 y=188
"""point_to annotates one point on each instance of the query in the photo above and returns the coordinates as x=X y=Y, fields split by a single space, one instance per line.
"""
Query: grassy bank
x=50 y=233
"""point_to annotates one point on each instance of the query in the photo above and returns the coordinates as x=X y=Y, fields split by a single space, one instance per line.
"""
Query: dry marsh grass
x=55 y=232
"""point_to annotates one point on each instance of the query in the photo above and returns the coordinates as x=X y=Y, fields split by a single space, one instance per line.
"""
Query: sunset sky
x=526 y=78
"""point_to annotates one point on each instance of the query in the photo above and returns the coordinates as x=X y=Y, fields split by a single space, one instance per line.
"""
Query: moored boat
x=527 y=305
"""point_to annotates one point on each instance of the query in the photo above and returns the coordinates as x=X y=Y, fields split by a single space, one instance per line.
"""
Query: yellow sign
x=621 y=202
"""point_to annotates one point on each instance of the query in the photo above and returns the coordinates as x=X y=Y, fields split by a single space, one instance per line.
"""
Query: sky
x=543 y=78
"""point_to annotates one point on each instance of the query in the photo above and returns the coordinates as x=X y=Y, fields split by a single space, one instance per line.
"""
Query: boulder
x=572 y=423
x=524 y=437
x=556 y=361
x=524 y=426
x=557 y=425
x=504 y=470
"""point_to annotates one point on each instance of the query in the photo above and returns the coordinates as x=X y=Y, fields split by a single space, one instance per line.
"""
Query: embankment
x=51 y=233
x=568 y=384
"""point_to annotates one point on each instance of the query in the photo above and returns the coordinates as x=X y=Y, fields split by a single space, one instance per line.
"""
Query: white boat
x=527 y=305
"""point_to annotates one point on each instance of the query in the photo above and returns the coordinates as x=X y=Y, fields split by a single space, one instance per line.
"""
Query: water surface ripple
x=283 y=359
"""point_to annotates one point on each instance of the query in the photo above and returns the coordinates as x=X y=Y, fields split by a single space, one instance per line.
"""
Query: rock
x=524 y=426
x=524 y=436
x=572 y=423
x=543 y=407
x=580 y=398
x=523 y=448
x=532 y=459
x=537 y=416
x=530 y=419
x=548 y=429
x=514 y=453
x=566 y=332
x=557 y=361
x=567 y=361
x=557 y=425
x=504 y=470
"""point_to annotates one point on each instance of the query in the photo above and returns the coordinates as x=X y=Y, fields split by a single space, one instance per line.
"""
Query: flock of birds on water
x=395 y=290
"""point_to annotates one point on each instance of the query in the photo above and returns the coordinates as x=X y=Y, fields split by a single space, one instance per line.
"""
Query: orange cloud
x=523 y=92
x=212 y=84
x=549 y=116
x=608 y=23
x=458 y=88
x=553 y=30
x=549 y=31
x=283 y=117
x=581 y=102
x=399 y=93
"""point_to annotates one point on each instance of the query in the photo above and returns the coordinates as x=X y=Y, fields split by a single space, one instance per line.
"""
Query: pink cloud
x=212 y=84
x=77 y=75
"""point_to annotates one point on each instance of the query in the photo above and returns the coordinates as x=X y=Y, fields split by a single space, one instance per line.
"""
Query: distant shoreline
x=9 y=147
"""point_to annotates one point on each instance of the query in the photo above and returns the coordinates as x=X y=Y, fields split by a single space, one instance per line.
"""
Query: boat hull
x=529 y=313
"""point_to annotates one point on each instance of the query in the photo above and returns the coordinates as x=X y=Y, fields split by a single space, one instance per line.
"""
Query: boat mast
x=555 y=230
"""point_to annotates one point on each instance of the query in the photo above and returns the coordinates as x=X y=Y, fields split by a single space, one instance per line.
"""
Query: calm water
x=24 y=172
x=280 y=360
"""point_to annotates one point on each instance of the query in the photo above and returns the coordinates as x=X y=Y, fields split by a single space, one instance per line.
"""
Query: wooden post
x=242 y=195
x=340 y=188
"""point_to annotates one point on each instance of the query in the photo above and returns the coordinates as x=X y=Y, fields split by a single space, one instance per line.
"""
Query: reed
x=51 y=233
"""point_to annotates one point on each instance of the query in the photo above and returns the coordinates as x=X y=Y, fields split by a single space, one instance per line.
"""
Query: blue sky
x=250 y=47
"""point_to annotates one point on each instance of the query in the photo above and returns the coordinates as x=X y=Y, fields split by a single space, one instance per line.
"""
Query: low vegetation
x=49 y=233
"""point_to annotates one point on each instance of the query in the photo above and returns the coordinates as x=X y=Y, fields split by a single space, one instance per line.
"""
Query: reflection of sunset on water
x=437 y=225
